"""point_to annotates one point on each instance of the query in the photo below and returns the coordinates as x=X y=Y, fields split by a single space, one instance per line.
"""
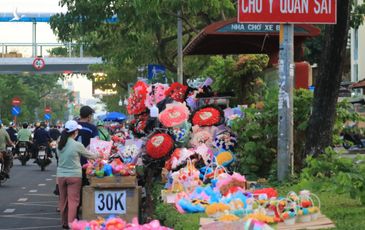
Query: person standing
x=4 y=140
x=69 y=173
x=87 y=132
x=103 y=132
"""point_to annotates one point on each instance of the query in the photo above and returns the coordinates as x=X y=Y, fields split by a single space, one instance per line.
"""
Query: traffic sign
x=47 y=110
x=16 y=101
x=154 y=70
x=39 y=63
x=288 y=11
x=47 y=116
x=15 y=110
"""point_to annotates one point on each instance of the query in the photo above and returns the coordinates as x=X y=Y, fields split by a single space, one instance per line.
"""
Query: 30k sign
x=287 y=11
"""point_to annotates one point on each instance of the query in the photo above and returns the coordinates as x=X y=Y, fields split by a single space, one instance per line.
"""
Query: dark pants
x=7 y=161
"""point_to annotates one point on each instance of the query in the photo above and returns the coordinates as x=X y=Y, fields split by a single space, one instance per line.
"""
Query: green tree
x=36 y=92
x=322 y=120
x=145 y=32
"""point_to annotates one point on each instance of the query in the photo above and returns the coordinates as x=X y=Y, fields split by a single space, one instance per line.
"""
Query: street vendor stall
x=182 y=135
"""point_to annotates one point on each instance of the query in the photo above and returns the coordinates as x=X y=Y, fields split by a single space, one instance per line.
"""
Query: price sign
x=110 y=202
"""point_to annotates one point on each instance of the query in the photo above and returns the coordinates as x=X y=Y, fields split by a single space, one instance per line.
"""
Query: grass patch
x=168 y=216
x=345 y=212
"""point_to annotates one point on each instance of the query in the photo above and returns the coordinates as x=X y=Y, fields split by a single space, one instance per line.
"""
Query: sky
x=22 y=32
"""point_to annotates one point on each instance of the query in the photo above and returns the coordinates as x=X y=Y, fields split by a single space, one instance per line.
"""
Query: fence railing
x=23 y=50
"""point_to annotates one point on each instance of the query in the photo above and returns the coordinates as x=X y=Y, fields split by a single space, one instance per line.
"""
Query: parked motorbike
x=43 y=159
x=23 y=152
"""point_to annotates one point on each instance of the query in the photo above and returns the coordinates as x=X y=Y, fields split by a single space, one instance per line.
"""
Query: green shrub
x=257 y=134
x=331 y=172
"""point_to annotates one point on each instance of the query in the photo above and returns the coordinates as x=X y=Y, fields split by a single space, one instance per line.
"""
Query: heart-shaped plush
x=174 y=114
x=159 y=145
x=207 y=116
x=157 y=141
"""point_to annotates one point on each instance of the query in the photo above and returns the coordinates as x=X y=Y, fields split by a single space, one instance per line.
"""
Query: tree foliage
x=142 y=32
x=238 y=74
x=36 y=92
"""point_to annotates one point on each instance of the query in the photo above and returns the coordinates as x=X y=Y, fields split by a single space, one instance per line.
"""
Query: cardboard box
x=91 y=203
x=113 y=182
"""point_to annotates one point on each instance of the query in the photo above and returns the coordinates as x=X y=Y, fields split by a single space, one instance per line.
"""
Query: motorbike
x=53 y=147
x=3 y=178
x=10 y=152
x=2 y=167
x=23 y=152
x=352 y=141
x=43 y=158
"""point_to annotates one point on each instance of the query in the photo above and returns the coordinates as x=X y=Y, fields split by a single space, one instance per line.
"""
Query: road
x=27 y=200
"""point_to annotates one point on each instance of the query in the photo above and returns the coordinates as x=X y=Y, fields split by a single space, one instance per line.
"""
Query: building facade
x=358 y=52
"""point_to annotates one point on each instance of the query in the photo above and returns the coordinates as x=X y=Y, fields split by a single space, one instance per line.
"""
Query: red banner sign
x=287 y=11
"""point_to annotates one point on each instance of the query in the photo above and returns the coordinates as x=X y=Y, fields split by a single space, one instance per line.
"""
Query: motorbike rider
x=12 y=132
x=24 y=135
x=4 y=140
x=41 y=138
x=55 y=133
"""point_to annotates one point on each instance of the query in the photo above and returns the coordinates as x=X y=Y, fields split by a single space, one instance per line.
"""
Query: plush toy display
x=115 y=223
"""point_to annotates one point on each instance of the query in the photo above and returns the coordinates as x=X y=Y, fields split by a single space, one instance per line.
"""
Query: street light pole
x=34 y=38
x=285 y=104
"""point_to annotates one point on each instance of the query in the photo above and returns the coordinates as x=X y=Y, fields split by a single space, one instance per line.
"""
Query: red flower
x=208 y=116
x=159 y=145
x=136 y=101
x=177 y=91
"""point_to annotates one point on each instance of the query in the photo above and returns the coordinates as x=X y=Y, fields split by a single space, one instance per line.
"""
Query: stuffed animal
x=224 y=157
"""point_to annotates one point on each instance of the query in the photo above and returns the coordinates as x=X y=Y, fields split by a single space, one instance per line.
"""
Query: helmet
x=100 y=123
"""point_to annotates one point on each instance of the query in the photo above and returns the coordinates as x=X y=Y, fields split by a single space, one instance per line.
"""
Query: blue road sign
x=25 y=17
x=36 y=17
x=16 y=110
x=153 y=70
x=47 y=116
